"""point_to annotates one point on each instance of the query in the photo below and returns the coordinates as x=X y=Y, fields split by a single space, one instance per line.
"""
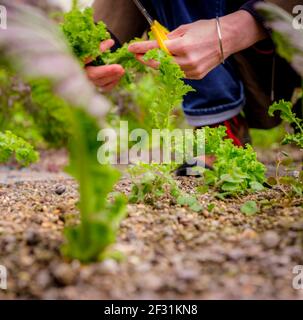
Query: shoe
x=186 y=169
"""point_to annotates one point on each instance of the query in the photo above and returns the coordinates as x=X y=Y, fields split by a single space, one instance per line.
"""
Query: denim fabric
x=220 y=95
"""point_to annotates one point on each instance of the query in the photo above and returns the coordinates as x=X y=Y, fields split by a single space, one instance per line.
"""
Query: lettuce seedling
x=100 y=218
x=285 y=109
x=153 y=181
x=171 y=88
x=236 y=170
x=13 y=146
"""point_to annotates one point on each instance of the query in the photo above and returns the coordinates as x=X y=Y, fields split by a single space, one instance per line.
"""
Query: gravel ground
x=170 y=252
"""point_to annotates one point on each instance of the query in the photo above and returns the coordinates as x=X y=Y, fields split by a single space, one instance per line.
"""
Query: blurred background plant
x=62 y=116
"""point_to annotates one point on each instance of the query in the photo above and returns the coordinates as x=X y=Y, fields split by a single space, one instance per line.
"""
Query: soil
x=169 y=252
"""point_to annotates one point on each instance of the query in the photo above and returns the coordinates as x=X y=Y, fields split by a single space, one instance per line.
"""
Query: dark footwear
x=186 y=169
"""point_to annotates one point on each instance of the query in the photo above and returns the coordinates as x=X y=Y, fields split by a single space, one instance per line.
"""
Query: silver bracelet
x=220 y=39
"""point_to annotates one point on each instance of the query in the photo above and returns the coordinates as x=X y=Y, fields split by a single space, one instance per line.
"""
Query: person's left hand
x=195 y=48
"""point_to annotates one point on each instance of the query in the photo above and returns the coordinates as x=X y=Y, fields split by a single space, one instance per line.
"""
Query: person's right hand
x=105 y=77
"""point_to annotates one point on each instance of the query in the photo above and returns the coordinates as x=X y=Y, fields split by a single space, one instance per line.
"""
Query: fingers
x=198 y=73
x=143 y=46
x=184 y=63
x=107 y=81
x=150 y=63
x=179 y=32
x=97 y=73
x=88 y=60
x=177 y=47
x=105 y=77
x=106 y=45
x=194 y=76
x=109 y=87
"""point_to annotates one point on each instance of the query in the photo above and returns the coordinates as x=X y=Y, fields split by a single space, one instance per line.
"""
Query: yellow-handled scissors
x=159 y=32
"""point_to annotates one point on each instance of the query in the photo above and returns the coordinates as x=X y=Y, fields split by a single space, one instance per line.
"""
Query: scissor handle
x=160 y=33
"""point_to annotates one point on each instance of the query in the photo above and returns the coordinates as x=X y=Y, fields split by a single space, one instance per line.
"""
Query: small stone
x=167 y=231
x=236 y=254
x=44 y=279
x=187 y=275
x=205 y=213
x=249 y=234
x=64 y=274
x=9 y=239
x=270 y=239
x=152 y=283
x=109 y=266
x=297 y=226
x=60 y=189
x=31 y=238
x=158 y=206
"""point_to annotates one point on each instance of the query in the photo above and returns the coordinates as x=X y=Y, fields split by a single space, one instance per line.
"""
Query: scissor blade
x=144 y=11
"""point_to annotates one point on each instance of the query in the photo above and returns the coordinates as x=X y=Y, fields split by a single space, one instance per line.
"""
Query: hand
x=105 y=77
x=196 y=48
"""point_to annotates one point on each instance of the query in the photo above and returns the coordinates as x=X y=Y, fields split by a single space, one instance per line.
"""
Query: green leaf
x=202 y=189
x=272 y=181
x=250 y=208
x=197 y=207
x=231 y=187
x=11 y=145
x=285 y=108
x=84 y=36
x=86 y=243
x=211 y=207
x=256 y=186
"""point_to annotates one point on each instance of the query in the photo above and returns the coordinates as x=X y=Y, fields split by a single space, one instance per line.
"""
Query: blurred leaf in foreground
x=38 y=49
x=289 y=41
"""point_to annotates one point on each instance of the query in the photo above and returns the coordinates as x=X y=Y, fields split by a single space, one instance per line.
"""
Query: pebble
x=297 y=226
x=109 y=266
x=60 y=189
x=270 y=239
x=31 y=237
x=152 y=282
x=44 y=279
x=187 y=274
x=249 y=234
x=236 y=254
x=206 y=214
x=63 y=274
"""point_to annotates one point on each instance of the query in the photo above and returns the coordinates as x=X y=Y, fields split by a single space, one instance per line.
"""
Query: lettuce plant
x=285 y=109
x=100 y=217
x=83 y=35
x=236 y=170
x=13 y=146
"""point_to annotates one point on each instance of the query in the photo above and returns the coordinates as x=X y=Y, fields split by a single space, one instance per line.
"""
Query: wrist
x=240 y=31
